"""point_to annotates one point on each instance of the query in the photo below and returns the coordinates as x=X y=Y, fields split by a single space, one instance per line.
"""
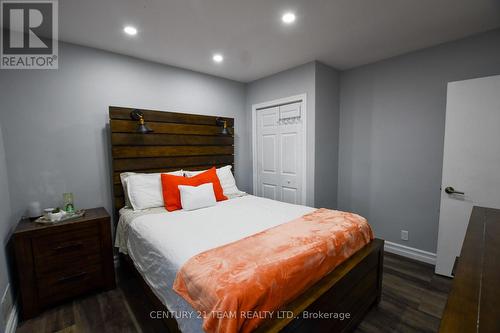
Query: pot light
x=130 y=30
x=218 y=58
x=288 y=18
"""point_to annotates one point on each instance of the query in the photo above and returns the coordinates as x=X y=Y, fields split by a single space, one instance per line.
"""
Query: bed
x=157 y=250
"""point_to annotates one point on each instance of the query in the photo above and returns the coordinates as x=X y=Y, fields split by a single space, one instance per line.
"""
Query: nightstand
x=60 y=261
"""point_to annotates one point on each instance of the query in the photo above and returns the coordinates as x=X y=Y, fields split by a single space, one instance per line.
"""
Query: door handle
x=451 y=190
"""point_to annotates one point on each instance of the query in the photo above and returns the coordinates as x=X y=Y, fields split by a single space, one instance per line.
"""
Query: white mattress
x=160 y=242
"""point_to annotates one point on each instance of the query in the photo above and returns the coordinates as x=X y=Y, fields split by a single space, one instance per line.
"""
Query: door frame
x=301 y=98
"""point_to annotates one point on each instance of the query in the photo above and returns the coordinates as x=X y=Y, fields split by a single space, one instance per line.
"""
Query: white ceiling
x=340 y=33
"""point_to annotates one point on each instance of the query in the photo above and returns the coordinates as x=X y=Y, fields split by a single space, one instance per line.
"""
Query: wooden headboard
x=179 y=141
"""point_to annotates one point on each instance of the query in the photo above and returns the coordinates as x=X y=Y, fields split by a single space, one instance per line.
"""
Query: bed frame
x=194 y=142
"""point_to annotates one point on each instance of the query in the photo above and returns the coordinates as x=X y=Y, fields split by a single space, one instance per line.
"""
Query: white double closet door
x=279 y=153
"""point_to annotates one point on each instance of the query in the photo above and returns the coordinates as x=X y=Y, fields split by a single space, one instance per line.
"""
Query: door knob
x=451 y=190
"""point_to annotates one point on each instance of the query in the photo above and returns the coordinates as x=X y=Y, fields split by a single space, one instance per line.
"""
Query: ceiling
x=254 y=41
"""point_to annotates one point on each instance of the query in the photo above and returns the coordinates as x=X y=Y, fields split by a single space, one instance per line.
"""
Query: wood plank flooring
x=413 y=300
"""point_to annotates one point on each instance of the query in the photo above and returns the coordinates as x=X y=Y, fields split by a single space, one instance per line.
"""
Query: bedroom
x=365 y=87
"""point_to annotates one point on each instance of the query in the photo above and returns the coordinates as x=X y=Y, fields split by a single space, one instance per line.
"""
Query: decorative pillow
x=226 y=179
x=170 y=185
x=210 y=176
x=196 y=197
x=144 y=190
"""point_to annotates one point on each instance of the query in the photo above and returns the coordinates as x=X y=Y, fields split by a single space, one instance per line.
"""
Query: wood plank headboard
x=179 y=141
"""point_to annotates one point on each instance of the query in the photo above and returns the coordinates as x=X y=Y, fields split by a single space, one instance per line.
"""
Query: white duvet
x=160 y=242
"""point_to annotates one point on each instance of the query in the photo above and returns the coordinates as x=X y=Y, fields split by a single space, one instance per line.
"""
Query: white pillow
x=123 y=179
x=226 y=179
x=195 y=197
x=144 y=189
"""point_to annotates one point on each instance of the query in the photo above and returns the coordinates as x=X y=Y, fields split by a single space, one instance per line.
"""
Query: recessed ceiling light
x=288 y=18
x=218 y=57
x=130 y=30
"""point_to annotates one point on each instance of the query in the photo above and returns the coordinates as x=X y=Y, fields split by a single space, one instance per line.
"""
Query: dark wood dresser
x=60 y=261
x=474 y=301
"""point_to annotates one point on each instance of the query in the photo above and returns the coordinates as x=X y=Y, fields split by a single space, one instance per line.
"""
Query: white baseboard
x=11 y=325
x=410 y=252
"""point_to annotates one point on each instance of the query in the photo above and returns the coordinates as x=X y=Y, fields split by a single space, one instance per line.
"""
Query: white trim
x=286 y=100
x=11 y=325
x=410 y=252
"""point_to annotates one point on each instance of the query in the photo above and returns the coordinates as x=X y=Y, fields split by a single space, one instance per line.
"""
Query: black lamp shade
x=223 y=123
x=142 y=127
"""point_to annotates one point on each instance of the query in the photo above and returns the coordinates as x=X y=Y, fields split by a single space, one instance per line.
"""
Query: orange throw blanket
x=237 y=286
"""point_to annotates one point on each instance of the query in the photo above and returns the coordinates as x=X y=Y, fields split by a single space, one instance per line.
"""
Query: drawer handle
x=68 y=246
x=73 y=277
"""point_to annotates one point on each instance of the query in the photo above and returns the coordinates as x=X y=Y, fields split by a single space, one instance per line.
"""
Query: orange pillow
x=210 y=176
x=170 y=186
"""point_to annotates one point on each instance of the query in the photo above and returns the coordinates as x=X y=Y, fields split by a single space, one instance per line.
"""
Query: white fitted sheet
x=160 y=242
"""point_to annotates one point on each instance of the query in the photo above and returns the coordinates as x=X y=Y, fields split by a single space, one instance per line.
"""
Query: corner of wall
x=327 y=105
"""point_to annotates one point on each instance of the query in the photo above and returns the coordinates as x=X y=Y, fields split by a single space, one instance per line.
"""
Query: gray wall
x=326 y=136
x=6 y=221
x=392 y=117
x=295 y=81
x=57 y=140
x=391 y=128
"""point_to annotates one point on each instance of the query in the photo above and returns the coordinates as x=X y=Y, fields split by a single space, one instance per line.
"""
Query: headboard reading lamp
x=142 y=128
x=223 y=123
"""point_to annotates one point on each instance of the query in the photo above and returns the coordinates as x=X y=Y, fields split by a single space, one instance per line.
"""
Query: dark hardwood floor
x=413 y=300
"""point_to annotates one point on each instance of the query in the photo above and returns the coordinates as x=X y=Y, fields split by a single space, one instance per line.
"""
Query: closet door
x=290 y=161
x=279 y=153
x=268 y=153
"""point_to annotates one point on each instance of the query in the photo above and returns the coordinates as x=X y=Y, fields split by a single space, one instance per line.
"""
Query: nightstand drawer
x=69 y=283
x=59 y=263
x=85 y=240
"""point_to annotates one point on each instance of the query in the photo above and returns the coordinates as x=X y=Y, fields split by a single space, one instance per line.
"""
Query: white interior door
x=268 y=153
x=471 y=162
x=279 y=153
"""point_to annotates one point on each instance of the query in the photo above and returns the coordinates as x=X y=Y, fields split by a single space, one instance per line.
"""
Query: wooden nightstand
x=63 y=260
